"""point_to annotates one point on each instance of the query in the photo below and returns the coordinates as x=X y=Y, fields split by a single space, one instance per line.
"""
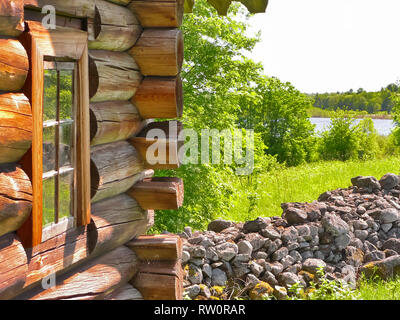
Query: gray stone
x=255 y=225
x=198 y=252
x=368 y=182
x=192 y=291
x=274 y=245
x=206 y=243
x=385 y=227
x=240 y=270
x=218 y=278
x=306 y=255
x=289 y=234
x=255 y=268
x=205 y=292
x=276 y=268
x=361 y=234
x=226 y=251
x=368 y=246
x=389 y=253
x=342 y=241
x=241 y=257
x=251 y=280
x=375 y=255
x=185 y=256
x=226 y=255
x=334 y=225
x=270 y=233
x=207 y=270
x=393 y=244
x=294 y=216
x=295 y=255
x=389 y=215
x=269 y=278
x=195 y=274
x=287 y=261
x=304 y=231
x=280 y=253
x=244 y=247
x=389 y=181
x=257 y=242
x=311 y=265
x=288 y=279
x=292 y=245
x=261 y=255
x=319 y=255
x=360 y=224
x=188 y=231
x=219 y=225
x=212 y=254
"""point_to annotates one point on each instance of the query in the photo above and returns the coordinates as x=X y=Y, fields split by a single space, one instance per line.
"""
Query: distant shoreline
x=322 y=113
x=372 y=116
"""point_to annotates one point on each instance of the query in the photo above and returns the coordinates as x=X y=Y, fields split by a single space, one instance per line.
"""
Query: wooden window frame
x=60 y=43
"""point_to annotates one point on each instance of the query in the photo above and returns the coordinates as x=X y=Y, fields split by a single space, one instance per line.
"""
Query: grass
x=264 y=195
x=323 y=113
x=378 y=289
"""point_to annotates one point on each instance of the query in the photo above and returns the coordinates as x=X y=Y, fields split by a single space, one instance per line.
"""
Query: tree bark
x=14 y=65
x=15 y=198
x=159 y=193
x=11 y=17
x=113 y=76
x=115 y=167
x=159 y=52
x=114 y=27
x=15 y=127
x=114 y=222
x=159 y=97
x=73 y=8
x=113 y=121
x=92 y=280
x=158 y=14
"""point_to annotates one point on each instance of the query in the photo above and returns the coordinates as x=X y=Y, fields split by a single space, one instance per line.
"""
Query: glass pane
x=66 y=134
x=50 y=95
x=48 y=200
x=66 y=191
x=66 y=94
x=49 y=150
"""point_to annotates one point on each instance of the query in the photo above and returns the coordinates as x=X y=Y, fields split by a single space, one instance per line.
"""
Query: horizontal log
x=114 y=222
x=73 y=8
x=15 y=198
x=158 y=286
x=113 y=121
x=127 y=292
x=14 y=65
x=159 y=193
x=159 y=97
x=113 y=76
x=159 y=144
x=61 y=21
x=153 y=14
x=114 y=27
x=15 y=126
x=157 y=247
x=115 y=167
x=93 y=280
x=11 y=17
x=159 y=52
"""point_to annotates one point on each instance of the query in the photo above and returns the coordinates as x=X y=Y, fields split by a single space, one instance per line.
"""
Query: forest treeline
x=381 y=101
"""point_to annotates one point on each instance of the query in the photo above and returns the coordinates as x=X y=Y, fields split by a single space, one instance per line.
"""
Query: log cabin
x=77 y=192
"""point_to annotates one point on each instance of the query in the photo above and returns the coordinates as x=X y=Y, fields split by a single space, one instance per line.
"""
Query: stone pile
x=346 y=231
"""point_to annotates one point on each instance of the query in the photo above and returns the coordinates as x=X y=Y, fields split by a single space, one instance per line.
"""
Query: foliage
x=375 y=288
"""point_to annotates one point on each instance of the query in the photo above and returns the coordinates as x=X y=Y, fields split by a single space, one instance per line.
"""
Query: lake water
x=382 y=126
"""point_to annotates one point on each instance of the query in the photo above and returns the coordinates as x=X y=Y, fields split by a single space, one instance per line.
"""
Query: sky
x=330 y=45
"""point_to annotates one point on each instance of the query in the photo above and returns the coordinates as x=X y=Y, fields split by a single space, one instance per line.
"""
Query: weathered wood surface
x=115 y=167
x=159 y=52
x=93 y=280
x=74 y=8
x=13 y=266
x=113 y=121
x=114 y=27
x=158 y=193
x=14 y=65
x=11 y=17
x=114 y=222
x=159 y=97
x=157 y=247
x=126 y=292
x=15 y=126
x=113 y=76
x=159 y=144
x=15 y=198
x=158 y=13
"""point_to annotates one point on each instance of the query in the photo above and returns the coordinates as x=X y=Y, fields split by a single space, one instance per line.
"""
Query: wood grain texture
x=115 y=167
x=159 y=97
x=113 y=76
x=11 y=17
x=15 y=198
x=157 y=247
x=73 y=8
x=154 y=286
x=114 y=27
x=159 y=193
x=14 y=65
x=159 y=52
x=158 y=14
x=158 y=143
x=120 y=2
x=15 y=126
x=93 y=280
x=126 y=292
x=114 y=222
x=113 y=121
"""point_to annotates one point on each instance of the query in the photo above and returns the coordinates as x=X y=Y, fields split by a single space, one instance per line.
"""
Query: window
x=59 y=161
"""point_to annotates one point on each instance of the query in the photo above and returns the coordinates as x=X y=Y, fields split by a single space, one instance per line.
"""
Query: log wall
x=135 y=59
